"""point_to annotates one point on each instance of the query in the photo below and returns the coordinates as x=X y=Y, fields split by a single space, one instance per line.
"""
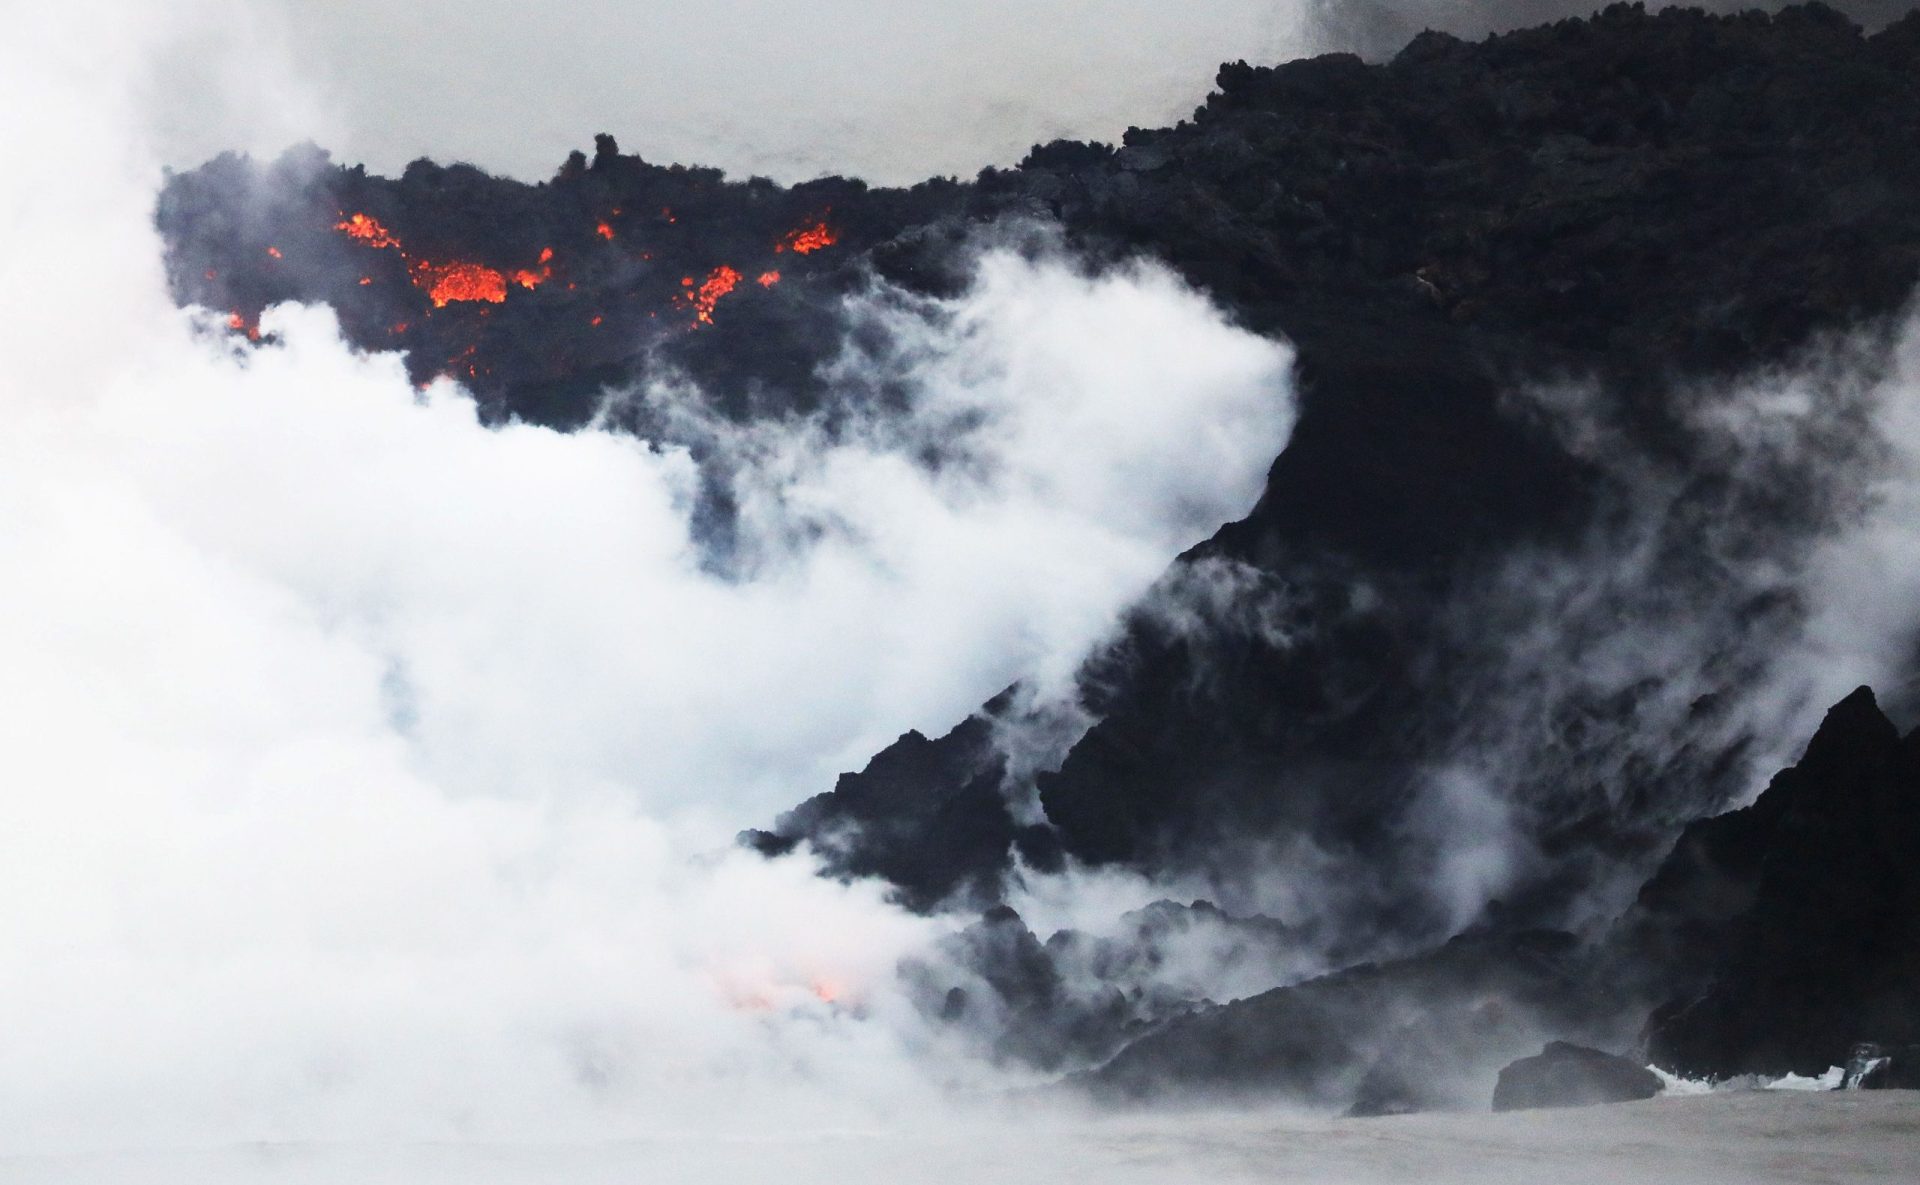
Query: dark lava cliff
x=1526 y=279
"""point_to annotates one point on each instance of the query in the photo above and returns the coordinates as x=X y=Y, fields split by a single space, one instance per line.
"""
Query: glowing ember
x=719 y=282
x=595 y=322
x=528 y=278
x=768 y=279
x=365 y=229
x=237 y=321
x=604 y=231
x=365 y=280
x=809 y=239
x=275 y=252
x=445 y=283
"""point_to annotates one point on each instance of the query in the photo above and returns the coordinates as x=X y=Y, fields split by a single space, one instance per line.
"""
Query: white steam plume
x=371 y=773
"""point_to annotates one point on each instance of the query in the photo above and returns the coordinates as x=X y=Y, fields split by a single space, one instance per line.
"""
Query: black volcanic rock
x=1074 y=1000
x=1419 y=1033
x=1798 y=918
x=1650 y=204
x=1879 y=1067
x=1636 y=197
x=1564 y=1075
x=881 y=822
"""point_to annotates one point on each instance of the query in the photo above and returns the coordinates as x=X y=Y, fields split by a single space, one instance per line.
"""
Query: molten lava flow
x=809 y=239
x=366 y=229
x=528 y=278
x=719 y=282
x=768 y=279
x=445 y=283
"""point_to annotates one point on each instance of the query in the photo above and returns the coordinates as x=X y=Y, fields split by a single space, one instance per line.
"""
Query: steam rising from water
x=372 y=772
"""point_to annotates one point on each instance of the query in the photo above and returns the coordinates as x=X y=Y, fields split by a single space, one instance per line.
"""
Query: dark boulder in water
x=1880 y=1067
x=1566 y=1075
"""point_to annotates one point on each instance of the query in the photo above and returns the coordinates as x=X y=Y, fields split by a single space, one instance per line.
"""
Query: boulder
x=1566 y=1075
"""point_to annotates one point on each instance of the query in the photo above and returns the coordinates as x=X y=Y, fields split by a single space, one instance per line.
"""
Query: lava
x=604 y=231
x=238 y=321
x=768 y=279
x=445 y=283
x=365 y=229
x=530 y=279
x=809 y=239
x=719 y=282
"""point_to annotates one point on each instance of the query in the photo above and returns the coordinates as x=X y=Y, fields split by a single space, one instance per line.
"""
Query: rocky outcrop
x=1773 y=939
x=1564 y=1075
x=1797 y=919
x=1418 y=1033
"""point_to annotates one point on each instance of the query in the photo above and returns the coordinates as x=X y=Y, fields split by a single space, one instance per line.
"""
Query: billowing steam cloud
x=1660 y=666
x=373 y=772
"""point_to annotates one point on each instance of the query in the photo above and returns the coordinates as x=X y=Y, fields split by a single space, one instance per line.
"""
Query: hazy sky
x=894 y=90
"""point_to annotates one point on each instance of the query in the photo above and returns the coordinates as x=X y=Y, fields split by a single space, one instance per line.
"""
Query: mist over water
x=373 y=773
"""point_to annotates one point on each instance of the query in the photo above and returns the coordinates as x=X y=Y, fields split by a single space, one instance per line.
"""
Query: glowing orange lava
x=366 y=229
x=768 y=279
x=604 y=231
x=445 y=283
x=275 y=252
x=719 y=282
x=237 y=321
x=807 y=240
x=528 y=278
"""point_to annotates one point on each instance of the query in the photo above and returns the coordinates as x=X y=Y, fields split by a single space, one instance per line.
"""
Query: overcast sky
x=893 y=90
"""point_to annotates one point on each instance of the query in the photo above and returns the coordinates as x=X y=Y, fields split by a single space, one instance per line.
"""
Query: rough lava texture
x=1643 y=207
